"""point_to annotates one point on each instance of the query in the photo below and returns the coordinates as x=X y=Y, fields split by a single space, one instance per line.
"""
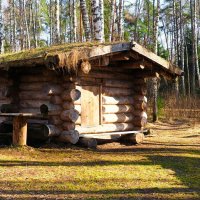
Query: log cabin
x=79 y=92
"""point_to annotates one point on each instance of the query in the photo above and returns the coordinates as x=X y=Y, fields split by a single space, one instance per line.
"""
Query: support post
x=19 y=131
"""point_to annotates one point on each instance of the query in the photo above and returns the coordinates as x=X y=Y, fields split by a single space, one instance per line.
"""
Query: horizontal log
x=33 y=95
x=141 y=90
x=69 y=115
x=67 y=126
x=37 y=121
x=110 y=109
x=120 y=118
x=139 y=113
x=5 y=101
x=55 y=120
x=88 y=142
x=67 y=105
x=6 y=81
x=139 y=121
x=51 y=130
x=140 y=98
x=29 y=110
x=71 y=95
x=33 y=103
x=50 y=109
x=71 y=136
x=108 y=91
x=56 y=100
x=117 y=100
x=38 y=86
x=40 y=78
x=142 y=106
x=9 y=108
x=52 y=89
x=137 y=138
x=106 y=128
x=122 y=84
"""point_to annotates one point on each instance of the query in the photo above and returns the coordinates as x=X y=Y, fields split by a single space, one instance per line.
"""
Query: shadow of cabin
x=78 y=90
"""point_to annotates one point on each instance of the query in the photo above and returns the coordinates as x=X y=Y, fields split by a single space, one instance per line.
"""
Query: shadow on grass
x=122 y=194
x=187 y=169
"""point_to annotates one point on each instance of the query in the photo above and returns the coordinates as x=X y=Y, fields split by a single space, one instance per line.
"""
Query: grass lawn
x=166 y=166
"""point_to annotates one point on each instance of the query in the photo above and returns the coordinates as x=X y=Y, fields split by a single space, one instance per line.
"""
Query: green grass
x=167 y=166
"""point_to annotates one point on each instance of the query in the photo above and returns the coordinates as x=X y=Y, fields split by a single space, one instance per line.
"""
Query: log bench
x=19 y=135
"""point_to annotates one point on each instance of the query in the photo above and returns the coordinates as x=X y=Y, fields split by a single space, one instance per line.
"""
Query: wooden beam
x=156 y=59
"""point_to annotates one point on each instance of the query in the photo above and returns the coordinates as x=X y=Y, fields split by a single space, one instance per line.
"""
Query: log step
x=111 y=135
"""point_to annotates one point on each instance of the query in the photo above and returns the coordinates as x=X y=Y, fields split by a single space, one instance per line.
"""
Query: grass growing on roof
x=52 y=50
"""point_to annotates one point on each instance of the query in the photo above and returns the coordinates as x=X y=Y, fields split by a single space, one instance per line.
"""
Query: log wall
x=123 y=101
x=5 y=83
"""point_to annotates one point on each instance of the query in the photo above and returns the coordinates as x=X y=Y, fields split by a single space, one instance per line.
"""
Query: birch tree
x=101 y=10
x=57 y=21
x=97 y=23
x=1 y=28
x=112 y=20
x=86 y=23
x=121 y=20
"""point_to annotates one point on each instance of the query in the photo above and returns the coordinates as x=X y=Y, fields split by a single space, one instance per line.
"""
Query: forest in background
x=167 y=27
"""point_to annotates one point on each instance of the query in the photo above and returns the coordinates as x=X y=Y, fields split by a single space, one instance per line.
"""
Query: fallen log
x=71 y=136
x=135 y=138
x=88 y=142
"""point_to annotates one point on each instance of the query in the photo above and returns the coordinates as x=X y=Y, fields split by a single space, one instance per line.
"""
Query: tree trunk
x=97 y=26
x=1 y=27
x=86 y=23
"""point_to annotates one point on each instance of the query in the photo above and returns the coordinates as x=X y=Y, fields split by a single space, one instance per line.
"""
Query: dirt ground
x=166 y=166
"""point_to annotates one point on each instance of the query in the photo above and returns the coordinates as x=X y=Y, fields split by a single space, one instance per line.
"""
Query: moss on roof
x=52 y=50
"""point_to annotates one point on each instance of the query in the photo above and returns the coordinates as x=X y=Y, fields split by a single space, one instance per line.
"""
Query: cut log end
x=88 y=142
x=71 y=136
x=137 y=138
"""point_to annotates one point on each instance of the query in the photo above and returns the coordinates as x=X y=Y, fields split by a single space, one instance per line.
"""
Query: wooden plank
x=100 y=51
x=90 y=106
x=111 y=135
x=157 y=59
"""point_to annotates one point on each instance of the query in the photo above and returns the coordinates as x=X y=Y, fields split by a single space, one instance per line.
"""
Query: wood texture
x=117 y=100
x=106 y=128
x=19 y=131
x=71 y=136
x=120 y=118
x=69 y=115
x=111 y=109
x=90 y=106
